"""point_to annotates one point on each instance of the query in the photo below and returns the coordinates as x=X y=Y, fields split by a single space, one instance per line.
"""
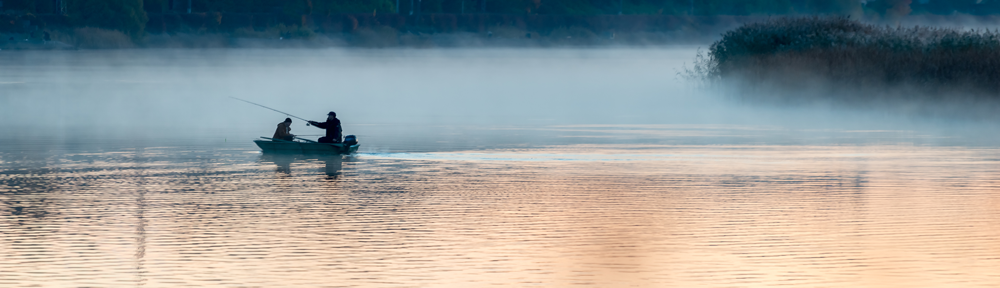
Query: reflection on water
x=588 y=214
x=331 y=163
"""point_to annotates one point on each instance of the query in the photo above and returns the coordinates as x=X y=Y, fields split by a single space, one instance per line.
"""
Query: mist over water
x=185 y=93
x=556 y=167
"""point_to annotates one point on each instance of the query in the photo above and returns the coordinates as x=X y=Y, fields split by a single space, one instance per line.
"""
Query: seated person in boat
x=284 y=131
x=332 y=126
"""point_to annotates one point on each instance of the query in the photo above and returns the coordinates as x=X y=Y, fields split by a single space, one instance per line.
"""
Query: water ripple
x=577 y=215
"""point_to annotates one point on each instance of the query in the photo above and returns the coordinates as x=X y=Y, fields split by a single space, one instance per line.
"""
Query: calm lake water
x=592 y=171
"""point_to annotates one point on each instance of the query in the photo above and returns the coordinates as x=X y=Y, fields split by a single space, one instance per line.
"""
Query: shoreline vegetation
x=369 y=30
x=124 y=24
x=847 y=61
x=373 y=30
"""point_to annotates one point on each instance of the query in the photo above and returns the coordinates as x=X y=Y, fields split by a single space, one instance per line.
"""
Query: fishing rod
x=272 y=109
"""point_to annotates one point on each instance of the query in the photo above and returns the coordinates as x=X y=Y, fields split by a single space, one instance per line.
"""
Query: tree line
x=561 y=7
x=130 y=16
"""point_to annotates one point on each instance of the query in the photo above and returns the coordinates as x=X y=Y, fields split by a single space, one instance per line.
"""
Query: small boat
x=304 y=146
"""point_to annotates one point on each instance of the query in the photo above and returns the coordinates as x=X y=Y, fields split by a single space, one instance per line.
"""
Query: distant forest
x=31 y=24
x=877 y=8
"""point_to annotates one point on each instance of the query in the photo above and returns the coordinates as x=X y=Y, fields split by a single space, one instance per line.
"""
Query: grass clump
x=839 y=53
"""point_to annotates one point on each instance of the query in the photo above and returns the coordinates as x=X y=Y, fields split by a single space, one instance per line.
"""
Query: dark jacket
x=333 y=129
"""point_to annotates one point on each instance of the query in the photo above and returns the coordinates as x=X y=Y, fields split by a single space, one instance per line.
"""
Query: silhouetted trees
x=564 y=7
x=127 y=16
x=946 y=7
x=130 y=16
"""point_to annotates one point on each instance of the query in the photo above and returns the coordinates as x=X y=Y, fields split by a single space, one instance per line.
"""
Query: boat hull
x=305 y=147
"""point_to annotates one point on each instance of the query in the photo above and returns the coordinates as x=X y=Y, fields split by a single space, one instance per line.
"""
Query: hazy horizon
x=146 y=92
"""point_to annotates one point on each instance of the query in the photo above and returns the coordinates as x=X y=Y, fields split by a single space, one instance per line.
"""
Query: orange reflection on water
x=578 y=215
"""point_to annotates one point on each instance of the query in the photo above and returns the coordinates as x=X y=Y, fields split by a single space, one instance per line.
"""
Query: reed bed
x=839 y=53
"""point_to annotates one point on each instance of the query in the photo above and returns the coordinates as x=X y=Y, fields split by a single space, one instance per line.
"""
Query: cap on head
x=288 y=119
x=334 y=114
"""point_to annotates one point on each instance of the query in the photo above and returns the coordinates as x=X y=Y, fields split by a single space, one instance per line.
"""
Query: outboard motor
x=350 y=140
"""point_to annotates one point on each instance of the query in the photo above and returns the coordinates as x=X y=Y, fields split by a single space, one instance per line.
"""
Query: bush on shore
x=97 y=38
x=280 y=31
x=126 y=16
x=839 y=52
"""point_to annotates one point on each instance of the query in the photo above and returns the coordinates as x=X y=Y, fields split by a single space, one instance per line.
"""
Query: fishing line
x=272 y=109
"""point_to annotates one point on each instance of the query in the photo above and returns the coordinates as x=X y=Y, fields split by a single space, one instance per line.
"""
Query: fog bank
x=179 y=93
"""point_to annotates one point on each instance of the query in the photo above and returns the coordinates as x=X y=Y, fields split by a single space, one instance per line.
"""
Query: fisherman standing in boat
x=332 y=126
x=284 y=131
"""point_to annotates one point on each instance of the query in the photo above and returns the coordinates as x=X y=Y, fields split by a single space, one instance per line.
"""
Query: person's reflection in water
x=284 y=162
x=332 y=163
x=333 y=166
